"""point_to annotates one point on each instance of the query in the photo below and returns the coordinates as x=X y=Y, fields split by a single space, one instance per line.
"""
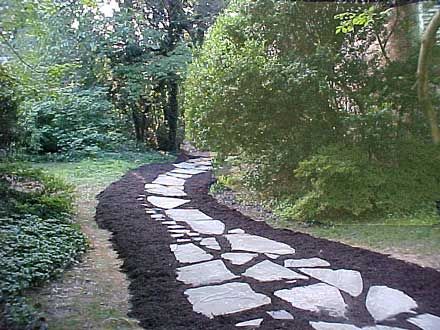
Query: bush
x=8 y=109
x=341 y=181
x=37 y=237
x=74 y=122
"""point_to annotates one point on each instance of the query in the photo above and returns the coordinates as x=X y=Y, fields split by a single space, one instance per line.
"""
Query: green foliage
x=273 y=85
x=37 y=237
x=8 y=109
x=74 y=122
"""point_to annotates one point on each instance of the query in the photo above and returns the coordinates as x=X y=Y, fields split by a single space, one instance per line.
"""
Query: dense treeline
x=328 y=124
x=82 y=76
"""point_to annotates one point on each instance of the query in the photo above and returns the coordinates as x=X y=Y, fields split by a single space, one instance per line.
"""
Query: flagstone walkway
x=208 y=254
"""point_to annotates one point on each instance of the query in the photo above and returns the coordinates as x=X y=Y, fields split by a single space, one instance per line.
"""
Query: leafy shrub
x=37 y=237
x=342 y=181
x=74 y=122
x=8 y=109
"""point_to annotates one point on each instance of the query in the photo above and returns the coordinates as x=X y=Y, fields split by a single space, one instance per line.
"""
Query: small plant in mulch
x=38 y=239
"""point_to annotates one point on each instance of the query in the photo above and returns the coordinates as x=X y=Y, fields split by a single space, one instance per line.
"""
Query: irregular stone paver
x=166 y=202
x=179 y=231
x=253 y=243
x=251 y=323
x=175 y=226
x=312 y=262
x=172 y=223
x=271 y=255
x=210 y=243
x=426 y=321
x=346 y=280
x=266 y=271
x=225 y=299
x=319 y=297
x=179 y=175
x=383 y=302
x=204 y=273
x=236 y=231
x=190 y=253
x=332 y=326
x=157 y=216
x=184 y=165
x=166 y=191
x=183 y=240
x=177 y=235
x=190 y=171
x=167 y=180
x=382 y=327
x=239 y=258
x=208 y=227
x=280 y=315
x=187 y=215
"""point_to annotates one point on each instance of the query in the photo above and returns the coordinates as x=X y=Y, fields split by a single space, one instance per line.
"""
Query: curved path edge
x=158 y=298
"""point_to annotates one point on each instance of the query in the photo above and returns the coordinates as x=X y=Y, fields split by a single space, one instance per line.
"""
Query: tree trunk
x=428 y=42
x=172 y=114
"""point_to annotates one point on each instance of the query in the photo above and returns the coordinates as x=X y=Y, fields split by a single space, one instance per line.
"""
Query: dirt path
x=160 y=301
x=94 y=293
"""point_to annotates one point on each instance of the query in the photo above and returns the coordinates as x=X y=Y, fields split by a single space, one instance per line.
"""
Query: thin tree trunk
x=428 y=41
x=172 y=114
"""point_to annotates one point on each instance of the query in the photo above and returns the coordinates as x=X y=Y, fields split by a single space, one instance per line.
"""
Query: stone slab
x=239 y=258
x=190 y=171
x=316 y=298
x=179 y=175
x=187 y=215
x=166 y=191
x=210 y=243
x=170 y=222
x=280 y=315
x=312 y=262
x=255 y=323
x=267 y=271
x=167 y=180
x=253 y=243
x=236 y=231
x=210 y=272
x=185 y=165
x=271 y=255
x=426 y=321
x=349 y=281
x=225 y=299
x=208 y=227
x=190 y=253
x=166 y=202
x=332 y=326
x=384 y=302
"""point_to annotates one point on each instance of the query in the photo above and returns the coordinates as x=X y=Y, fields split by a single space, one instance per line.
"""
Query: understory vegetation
x=38 y=237
x=320 y=113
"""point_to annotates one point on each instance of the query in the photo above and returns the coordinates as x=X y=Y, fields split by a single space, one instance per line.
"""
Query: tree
x=423 y=90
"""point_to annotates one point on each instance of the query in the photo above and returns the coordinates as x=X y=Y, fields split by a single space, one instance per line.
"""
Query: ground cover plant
x=38 y=237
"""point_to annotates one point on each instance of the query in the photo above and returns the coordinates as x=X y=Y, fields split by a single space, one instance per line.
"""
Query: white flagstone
x=266 y=271
x=210 y=243
x=167 y=180
x=255 y=323
x=349 y=281
x=426 y=321
x=166 y=202
x=190 y=253
x=191 y=171
x=236 y=231
x=332 y=326
x=253 y=243
x=225 y=299
x=317 y=298
x=210 y=272
x=312 y=262
x=207 y=227
x=166 y=191
x=239 y=258
x=280 y=315
x=179 y=175
x=187 y=214
x=384 y=302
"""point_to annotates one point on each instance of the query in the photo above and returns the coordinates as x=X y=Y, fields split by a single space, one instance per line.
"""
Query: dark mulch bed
x=158 y=300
